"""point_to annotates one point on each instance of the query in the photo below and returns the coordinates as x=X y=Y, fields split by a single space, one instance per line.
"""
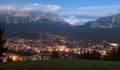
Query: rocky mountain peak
x=106 y=22
x=27 y=17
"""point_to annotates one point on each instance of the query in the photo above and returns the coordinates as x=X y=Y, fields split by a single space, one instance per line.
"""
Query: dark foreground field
x=61 y=64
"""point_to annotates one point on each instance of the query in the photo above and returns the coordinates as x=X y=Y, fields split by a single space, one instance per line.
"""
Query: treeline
x=113 y=55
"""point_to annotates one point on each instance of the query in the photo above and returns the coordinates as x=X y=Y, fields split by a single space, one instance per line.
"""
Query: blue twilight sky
x=73 y=11
x=64 y=3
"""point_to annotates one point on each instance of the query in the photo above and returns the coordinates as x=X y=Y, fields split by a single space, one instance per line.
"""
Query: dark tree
x=2 y=41
x=55 y=54
x=95 y=54
x=88 y=55
x=115 y=54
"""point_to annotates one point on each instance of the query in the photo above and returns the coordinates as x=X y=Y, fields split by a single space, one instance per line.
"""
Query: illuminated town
x=38 y=50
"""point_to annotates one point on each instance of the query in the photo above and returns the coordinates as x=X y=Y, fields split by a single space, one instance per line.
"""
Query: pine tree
x=2 y=41
x=115 y=54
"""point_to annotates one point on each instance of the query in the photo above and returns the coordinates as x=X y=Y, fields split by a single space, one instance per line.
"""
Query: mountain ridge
x=32 y=25
x=106 y=28
x=32 y=16
x=106 y=22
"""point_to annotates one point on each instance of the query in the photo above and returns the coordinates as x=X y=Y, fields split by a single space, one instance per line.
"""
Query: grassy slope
x=61 y=64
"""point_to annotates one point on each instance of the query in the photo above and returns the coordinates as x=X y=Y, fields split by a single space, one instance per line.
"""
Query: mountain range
x=105 y=28
x=33 y=24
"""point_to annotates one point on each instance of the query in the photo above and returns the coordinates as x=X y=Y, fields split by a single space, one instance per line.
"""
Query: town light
x=16 y=58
